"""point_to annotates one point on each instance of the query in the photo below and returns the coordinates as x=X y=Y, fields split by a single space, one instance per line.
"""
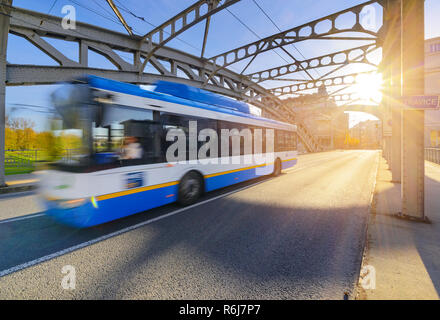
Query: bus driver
x=132 y=149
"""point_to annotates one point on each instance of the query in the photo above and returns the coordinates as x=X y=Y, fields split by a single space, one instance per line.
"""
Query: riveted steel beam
x=345 y=79
x=300 y=33
x=181 y=22
x=166 y=62
x=342 y=57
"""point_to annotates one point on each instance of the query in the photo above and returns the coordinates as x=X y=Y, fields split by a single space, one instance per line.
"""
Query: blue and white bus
x=100 y=184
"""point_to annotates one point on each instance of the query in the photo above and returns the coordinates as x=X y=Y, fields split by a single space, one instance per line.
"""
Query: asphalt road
x=297 y=236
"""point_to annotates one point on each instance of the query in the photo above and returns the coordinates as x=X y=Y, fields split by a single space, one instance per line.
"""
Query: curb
x=5 y=190
x=357 y=292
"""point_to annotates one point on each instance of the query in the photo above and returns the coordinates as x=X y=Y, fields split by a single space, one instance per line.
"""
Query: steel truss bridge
x=208 y=73
x=398 y=38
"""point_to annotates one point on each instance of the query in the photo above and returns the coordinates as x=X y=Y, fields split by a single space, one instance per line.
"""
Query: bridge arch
x=370 y=109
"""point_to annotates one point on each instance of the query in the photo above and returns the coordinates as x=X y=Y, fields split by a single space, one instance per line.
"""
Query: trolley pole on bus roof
x=4 y=31
x=413 y=83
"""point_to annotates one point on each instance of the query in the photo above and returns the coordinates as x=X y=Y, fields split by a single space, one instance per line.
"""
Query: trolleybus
x=125 y=134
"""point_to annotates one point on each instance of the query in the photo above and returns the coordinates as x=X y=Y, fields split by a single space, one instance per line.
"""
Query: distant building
x=369 y=134
x=325 y=122
x=432 y=86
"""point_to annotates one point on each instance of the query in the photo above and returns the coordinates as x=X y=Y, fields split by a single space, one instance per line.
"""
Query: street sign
x=421 y=102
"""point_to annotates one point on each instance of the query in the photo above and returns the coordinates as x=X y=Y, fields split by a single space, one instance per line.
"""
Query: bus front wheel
x=190 y=189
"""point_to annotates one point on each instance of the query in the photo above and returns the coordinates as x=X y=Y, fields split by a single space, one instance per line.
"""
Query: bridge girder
x=316 y=62
x=169 y=63
x=347 y=98
x=197 y=9
x=371 y=109
x=303 y=32
x=313 y=84
x=183 y=67
x=353 y=105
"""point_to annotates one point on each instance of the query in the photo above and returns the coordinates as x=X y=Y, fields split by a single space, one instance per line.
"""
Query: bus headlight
x=69 y=204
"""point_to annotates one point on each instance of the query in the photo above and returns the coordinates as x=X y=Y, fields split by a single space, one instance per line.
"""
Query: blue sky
x=226 y=33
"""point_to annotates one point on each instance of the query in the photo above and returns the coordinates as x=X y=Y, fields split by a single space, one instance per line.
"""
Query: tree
x=19 y=133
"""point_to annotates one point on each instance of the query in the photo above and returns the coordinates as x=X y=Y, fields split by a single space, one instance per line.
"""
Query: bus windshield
x=95 y=133
x=72 y=126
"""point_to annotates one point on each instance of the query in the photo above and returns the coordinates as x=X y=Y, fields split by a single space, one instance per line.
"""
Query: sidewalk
x=20 y=182
x=405 y=254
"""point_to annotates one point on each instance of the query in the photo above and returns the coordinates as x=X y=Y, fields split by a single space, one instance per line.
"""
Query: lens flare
x=369 y=87
x=94 y=202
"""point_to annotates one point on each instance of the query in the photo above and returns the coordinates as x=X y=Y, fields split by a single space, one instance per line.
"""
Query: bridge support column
x=395 y=92
x=413 y=76
x=387 y=149
x=4 y=30
x=389 y=37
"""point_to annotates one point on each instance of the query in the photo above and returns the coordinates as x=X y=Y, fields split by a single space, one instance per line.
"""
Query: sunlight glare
x=369 y=86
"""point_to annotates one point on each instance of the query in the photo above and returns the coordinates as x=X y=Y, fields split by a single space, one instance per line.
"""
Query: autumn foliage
x=21 y=135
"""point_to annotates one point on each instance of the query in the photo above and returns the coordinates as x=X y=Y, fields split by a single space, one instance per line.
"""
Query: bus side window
x=248 y=149
x=246 y=139
x=243 y=130
x=292 y=144
x=173 y=121
x=170 y=121
x=152 y=144
x=128 y=135
x=279 y=140
x=259 y=140
x=206 y=124
x=295 y=140
x=147 y=134
x=287 y=141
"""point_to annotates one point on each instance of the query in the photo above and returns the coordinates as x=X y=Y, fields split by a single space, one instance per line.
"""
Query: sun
x=369 y=87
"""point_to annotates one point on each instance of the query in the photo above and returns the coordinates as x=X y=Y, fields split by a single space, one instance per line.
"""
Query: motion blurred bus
x=99 y=183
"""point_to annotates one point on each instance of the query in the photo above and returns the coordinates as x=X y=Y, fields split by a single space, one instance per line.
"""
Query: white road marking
x=22 y=218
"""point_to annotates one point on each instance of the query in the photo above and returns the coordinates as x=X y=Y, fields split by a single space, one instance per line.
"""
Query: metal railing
x=21 y=158
x=69 y=154
x=307 y=137
x=27 y=158
x=433 y=155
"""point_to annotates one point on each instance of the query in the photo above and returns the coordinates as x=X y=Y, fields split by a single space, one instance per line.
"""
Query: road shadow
x=272 y=251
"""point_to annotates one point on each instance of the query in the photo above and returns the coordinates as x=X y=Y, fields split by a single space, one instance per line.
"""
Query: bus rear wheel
x=190 y=189
x=277 y=168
